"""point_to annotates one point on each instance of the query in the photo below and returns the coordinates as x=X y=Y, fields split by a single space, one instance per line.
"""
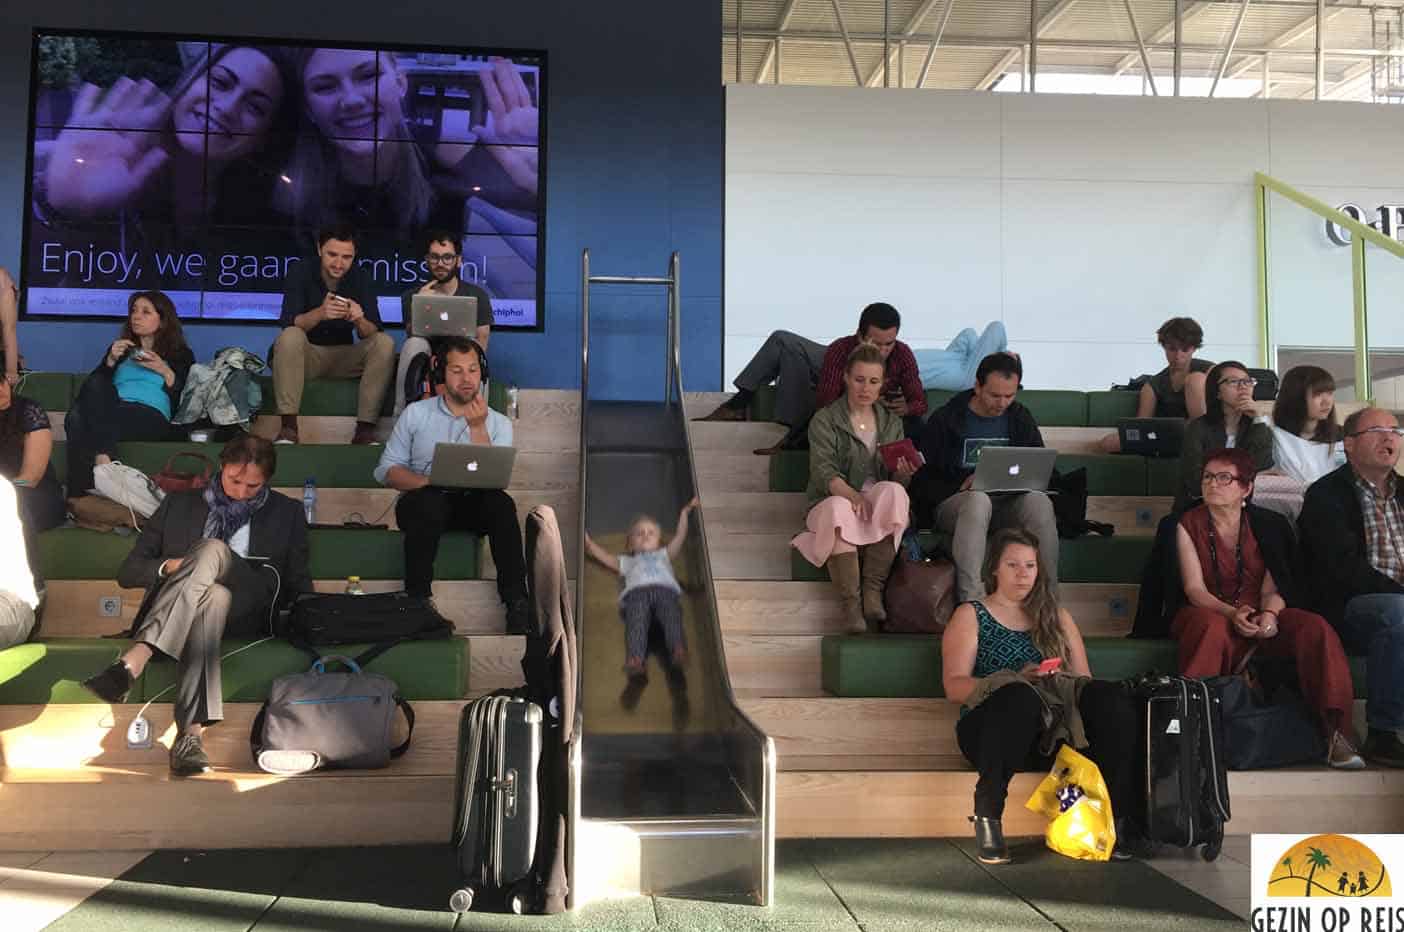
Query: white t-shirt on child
x=649 y=568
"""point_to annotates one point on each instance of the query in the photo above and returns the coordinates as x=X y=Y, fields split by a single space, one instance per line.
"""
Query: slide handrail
x=1360 y=235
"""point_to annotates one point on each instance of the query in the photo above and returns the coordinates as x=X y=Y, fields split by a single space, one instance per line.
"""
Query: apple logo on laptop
x=443 y=315
x=473 y=466
x=1014 y=470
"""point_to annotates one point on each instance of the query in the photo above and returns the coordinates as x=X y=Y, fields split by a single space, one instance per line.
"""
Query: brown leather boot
x=843 y=572
x=877 y=564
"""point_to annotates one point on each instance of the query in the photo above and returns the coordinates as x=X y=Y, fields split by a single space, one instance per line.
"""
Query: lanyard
x=1237 y=559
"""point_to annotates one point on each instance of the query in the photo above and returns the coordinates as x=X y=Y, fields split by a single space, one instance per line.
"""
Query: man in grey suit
x=192 y=557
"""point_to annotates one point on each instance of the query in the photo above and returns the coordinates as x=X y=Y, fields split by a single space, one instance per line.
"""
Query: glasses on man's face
x=1219 y=479
x=1239 y=383
x=1380 y=432
x=441 y=258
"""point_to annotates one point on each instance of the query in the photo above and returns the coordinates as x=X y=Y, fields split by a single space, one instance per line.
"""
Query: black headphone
x=441 y=361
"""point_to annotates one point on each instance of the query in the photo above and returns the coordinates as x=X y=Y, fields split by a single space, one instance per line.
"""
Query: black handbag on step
x=1261 y=733
x=321 y=620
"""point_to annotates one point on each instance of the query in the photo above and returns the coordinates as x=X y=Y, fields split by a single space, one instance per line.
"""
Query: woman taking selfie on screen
x=134 y=390
x=179 y=155
x=357 y=157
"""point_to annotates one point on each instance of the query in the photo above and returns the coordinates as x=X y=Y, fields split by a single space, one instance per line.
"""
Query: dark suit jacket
x=278 y=531
x=1333 y=543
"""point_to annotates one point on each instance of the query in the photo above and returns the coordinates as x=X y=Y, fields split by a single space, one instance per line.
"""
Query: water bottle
x=309 y=499
x=353 y=586
x=512 y=395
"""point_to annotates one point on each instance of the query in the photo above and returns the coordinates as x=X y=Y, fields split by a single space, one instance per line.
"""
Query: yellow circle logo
x=1328 y=865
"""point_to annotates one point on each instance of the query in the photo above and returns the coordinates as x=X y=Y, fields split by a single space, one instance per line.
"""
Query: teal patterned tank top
x=999 y=648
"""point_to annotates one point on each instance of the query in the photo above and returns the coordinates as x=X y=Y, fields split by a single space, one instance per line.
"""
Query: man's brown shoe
x=286 y=435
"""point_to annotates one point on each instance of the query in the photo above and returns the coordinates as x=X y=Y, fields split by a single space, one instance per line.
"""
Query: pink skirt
x=834 y=527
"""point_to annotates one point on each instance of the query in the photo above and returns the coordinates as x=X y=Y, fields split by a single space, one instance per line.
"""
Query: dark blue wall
x=635 y=143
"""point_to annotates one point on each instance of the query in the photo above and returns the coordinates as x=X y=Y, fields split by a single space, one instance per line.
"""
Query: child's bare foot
x=634 y=669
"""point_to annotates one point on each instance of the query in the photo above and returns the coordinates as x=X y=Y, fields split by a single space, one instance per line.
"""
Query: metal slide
x=673 y=787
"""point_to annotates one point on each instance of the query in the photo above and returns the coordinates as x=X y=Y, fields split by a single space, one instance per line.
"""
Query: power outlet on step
x=110 y=606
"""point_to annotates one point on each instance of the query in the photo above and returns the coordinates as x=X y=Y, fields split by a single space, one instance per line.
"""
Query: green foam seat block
x=334 y=553
x=1162 y=476
x=324 y=397
x=52 y=671
x=1107 y=474
x=1104 y=409
x=333 y=465
x=1087 y=559
x=52 y=390
x=789 y=471
x=936 y=399
x=1054 y=407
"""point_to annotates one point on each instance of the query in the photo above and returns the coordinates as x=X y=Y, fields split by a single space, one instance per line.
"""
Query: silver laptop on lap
x=471 y=466
x=433 y=315
x=1014 y=469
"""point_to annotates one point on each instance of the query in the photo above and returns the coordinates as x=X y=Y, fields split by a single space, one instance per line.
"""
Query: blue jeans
x=953 y=368
x=1374 y=626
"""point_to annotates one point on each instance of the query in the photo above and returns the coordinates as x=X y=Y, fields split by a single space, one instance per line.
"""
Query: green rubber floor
x=880 y=885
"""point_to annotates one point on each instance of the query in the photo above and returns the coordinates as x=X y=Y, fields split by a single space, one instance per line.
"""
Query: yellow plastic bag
x=1074 y=798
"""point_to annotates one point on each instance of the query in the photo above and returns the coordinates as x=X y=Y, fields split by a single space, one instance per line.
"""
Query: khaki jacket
x=835 y=450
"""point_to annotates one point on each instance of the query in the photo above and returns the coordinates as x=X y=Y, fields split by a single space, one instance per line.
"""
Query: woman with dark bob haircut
x=134 y=390
x=1229 y=420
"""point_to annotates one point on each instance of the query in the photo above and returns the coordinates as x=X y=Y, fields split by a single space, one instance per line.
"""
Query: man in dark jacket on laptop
x=191 y=559
x=951 y=442
x=1352 y=532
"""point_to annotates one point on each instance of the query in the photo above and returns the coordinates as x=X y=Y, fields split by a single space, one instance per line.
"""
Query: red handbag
x=920 y=596
x=170 y=479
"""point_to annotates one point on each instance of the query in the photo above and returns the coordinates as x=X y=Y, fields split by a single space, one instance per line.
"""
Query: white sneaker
x=1341 y=756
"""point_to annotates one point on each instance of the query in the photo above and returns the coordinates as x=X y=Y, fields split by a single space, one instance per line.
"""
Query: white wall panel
x=1081 y=222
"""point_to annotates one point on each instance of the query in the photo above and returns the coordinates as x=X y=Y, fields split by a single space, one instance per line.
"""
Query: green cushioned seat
x=324 y=397
x=936 y=399
x=1055 y=408
x=52 y=671
x=1108 y=474
x=333 y=465
x=1162 y=476
x=1092 y=559
x=801 y=570
x=789 y=471
x=909 y=666
x=762 y=406
x=78 y=553
x=52 y=390
x=1104 y=409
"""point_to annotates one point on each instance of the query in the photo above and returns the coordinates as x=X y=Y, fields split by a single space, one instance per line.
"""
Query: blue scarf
x=226 y=515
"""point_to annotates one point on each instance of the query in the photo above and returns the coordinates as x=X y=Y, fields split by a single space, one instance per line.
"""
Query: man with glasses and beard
x=443 y=255
x=424 y=512
x=1352 y=531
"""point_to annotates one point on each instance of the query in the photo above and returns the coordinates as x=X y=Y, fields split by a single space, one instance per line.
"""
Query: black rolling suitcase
x=496 y=817
x=1184 y=778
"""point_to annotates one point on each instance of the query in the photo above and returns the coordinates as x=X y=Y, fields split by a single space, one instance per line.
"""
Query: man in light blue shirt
x=425 y=512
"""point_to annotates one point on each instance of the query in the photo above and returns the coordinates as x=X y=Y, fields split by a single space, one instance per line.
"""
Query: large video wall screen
x=204 y=167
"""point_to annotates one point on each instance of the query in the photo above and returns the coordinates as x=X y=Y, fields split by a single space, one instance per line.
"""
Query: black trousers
x=425 y=514
x=1000 y=737
x=98 y=421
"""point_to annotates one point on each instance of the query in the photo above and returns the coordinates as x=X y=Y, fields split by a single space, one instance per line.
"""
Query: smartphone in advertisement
x=1051 y=665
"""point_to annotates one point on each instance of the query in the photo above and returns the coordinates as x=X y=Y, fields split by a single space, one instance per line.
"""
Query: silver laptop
x=471 y=466
x=433 y=315
x=1014 y=469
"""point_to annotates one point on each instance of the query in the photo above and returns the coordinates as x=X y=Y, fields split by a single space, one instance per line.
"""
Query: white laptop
x=433 y=315
x=1014 y=469
x=471 y=466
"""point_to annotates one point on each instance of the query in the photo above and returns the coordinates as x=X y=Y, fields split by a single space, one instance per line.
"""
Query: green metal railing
x=1361 y=234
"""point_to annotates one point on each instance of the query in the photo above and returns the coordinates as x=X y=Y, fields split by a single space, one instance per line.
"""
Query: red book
x=901 y=450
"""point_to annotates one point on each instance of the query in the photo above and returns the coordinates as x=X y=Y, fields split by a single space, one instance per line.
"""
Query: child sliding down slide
x=649 y=592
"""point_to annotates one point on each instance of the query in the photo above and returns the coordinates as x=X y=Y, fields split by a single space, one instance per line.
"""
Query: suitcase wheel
x=1211 y=849
x=519 y=901
x=461 y=900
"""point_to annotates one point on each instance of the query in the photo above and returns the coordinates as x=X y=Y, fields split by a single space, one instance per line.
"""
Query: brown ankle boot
x=843 y=572
x=877 y=564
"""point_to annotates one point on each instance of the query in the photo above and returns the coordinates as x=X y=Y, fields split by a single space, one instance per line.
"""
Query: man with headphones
x=424 y=512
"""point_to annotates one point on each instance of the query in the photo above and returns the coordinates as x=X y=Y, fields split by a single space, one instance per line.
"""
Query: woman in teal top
x=133 y=392
x=1017 y=627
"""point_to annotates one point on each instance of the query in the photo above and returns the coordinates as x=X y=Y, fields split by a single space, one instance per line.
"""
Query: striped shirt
x=1384 y=526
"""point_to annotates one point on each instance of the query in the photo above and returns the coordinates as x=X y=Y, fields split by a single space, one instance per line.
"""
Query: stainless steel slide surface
x=675 y=784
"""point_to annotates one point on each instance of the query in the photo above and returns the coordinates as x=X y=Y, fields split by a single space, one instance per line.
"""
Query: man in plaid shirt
x=1352 y=531
x=799 y=365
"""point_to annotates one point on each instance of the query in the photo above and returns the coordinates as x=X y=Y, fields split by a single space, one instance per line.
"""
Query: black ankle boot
x=989 y=841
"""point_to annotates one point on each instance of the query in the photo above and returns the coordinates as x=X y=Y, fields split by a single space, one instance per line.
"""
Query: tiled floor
x=36 y=888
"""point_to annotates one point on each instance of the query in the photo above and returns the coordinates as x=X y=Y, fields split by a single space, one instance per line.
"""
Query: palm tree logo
x=1327 y=855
